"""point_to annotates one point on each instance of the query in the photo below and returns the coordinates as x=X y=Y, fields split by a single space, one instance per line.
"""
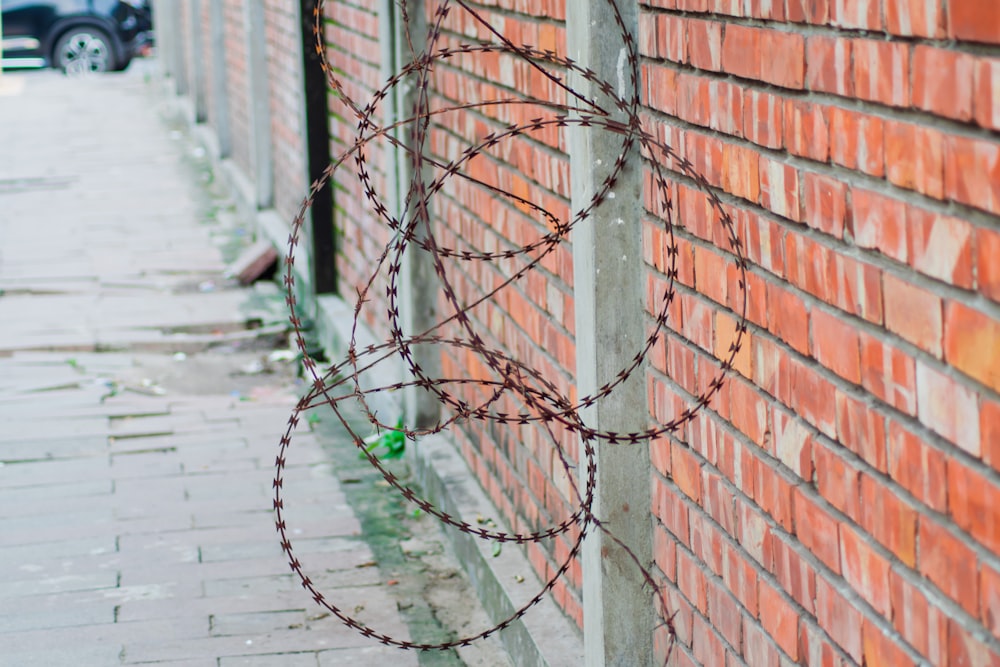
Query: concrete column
x=610 y=323
x=418 y=289
x=197 y=62
x=177 y=47
x=220 y=93
x=260 y=104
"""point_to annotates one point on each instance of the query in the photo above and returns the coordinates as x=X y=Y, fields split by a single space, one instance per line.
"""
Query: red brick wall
x=837 y=502
x=288 y=135
x=351 y=35
x=238 y=86
x=532 y=319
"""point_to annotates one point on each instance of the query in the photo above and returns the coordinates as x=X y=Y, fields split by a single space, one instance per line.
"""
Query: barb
x=513 y=381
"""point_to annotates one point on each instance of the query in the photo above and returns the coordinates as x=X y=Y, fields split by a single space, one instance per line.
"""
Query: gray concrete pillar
x=618 y=608
x=260 y=104
x=220 y=93
x=177 y=48
x=418 y=289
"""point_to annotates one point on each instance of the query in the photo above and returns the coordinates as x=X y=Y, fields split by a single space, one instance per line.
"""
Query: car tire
x=84 y=50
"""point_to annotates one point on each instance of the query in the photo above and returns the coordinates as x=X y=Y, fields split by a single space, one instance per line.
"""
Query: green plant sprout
x=393 y=441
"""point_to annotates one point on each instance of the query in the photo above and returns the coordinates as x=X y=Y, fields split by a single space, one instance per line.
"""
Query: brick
x=686 y=471
x=943 y=82
x=779 y=189
x=740 y=577
x=710 y=274
x=914 y=314
x=828 y=65
x=836 y=614
x=879 y=223
x=706 y=542
x=808 y=265
x=856 y=141
x=727 y=108
x=889 y=374
x=948 y=408
x=816 y=529
x=726 y=329
x=749 y=291
x=704 y=43
x=987 y=266
x=865 y=569
x=917 y=467
x=881 y=649
x=835 y=345
x=741 y=51
x=987 y=92
x=989 y=431
x=973 y=501
x=974 y=20
x=754 y=532
x=972 y=343
x=794 y=574
x=790 y=317
x=792 y=443
x=825 y=204
x=812 y=398
x=807 y=129
x=888 y=519
x=882 y=72
x=838 y=480
x=762 y=118
x=915 y=18
x=940 y=246
x=691 y=580
x=949 y=563
x=989 y=600
x=862 y=430
x=922 y=624
x=724 y=612
x=856 y=287
x=764 y=243
x=779 y=619
x=914 y=158
x=773 y=493
x=972 y=172
x=816 y=649
x=808 y=11
x=967 y=650
x=783 y=60
x=741 y=176
x=758 y=647
x=856 y=14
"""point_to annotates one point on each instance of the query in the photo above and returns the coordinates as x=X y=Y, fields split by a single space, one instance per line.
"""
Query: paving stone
x=136 y=520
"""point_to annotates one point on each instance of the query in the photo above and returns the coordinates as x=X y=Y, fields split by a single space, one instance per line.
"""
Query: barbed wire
x=543 y=405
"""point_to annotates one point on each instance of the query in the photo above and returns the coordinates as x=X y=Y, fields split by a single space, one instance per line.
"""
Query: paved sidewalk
x=135 y=485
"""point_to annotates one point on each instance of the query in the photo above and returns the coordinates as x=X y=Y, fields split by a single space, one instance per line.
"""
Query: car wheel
x=84 y=50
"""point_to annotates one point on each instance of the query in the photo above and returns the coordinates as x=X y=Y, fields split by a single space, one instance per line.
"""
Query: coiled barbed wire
x=543 y=404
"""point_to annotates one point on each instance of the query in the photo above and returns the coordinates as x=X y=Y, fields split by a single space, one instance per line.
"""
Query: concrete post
x=220 y=93
x=418 y=292
x=177 y=48
x=197 y=62
x=610 y=322
x=260 y=104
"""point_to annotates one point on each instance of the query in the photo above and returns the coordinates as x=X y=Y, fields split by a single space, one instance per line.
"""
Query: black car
x=74 y=35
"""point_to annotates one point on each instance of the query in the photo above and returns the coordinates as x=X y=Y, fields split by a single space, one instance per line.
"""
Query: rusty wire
x=543 y=404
